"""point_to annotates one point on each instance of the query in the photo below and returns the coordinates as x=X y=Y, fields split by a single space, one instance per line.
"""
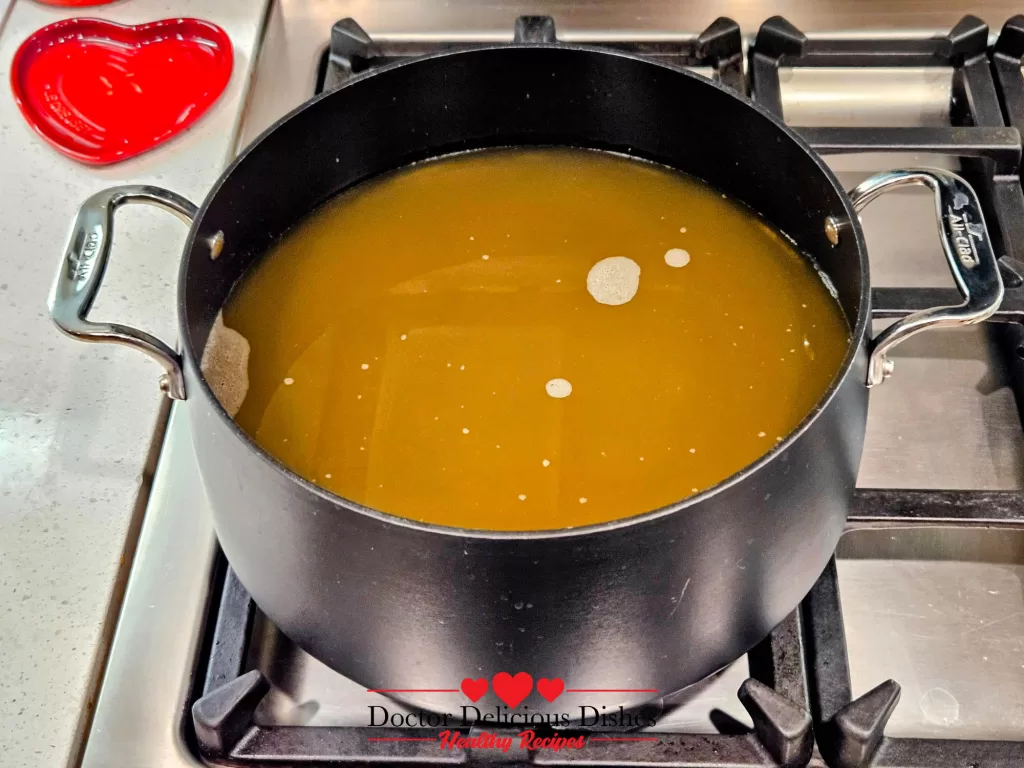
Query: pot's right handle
x=968 y=251
x=81 y=274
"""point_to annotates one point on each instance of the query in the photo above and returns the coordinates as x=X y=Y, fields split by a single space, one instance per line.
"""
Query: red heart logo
x=512 y=690
x=101 y=92
x=474 y=689
x=550 y=689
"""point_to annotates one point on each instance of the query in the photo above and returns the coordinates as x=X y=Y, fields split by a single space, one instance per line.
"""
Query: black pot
x=641 y=606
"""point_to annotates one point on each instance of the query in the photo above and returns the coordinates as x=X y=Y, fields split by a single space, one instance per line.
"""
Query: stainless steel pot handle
x=81 y=274
x=968 y=250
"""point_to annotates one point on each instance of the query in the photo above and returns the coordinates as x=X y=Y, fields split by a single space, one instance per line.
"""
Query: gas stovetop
x=909 y=651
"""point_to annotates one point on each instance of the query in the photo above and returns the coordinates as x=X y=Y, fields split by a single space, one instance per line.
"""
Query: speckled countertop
x=77 y=421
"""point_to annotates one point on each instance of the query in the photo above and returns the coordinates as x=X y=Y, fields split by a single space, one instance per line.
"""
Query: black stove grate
x=776 y=696
x=990 y=152
x=799 y=693
x=719 y=47
x=1007 y=58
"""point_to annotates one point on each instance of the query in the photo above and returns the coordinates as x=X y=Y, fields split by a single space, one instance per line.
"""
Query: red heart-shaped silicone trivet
x=102 y=92
x=512 y=690
x=74 y=3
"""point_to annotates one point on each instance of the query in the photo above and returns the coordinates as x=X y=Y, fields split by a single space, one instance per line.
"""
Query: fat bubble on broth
x=411 y=343
x=614 y=280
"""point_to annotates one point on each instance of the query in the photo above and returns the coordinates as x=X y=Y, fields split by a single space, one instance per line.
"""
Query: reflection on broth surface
x=530 y=339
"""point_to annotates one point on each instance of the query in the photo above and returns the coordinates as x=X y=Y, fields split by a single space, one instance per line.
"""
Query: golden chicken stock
x=528 y=339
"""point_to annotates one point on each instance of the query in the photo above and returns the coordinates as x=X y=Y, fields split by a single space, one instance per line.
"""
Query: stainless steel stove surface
x=931 y=585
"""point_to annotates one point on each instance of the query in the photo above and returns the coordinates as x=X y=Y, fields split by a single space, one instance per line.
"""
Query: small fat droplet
x=546 y=463
x=365 y=366
x=677 y=257
x=693 y=450
x=328 y=475
x=760 y=434
x=465 y=430
x=404 y=337
x=583 y=499
x=522 y=497
x=558 y=388
x=289 y=381
x=485 y=257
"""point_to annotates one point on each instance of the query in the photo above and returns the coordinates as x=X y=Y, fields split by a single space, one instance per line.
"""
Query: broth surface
x=433 y=343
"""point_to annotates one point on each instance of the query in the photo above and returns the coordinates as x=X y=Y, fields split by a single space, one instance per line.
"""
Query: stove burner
x=799 y=692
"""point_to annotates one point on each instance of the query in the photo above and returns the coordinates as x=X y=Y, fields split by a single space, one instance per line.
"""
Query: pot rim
x=856 y=339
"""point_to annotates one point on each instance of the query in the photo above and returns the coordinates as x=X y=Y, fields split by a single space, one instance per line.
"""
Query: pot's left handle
x=81 y=274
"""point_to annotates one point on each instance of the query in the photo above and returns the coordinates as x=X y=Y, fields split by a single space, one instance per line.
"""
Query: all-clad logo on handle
x=965 y=232
x=82 y=261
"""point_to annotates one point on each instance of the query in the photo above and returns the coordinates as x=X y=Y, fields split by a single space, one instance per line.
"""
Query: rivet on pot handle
x=81 y=274
x=968 y=252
